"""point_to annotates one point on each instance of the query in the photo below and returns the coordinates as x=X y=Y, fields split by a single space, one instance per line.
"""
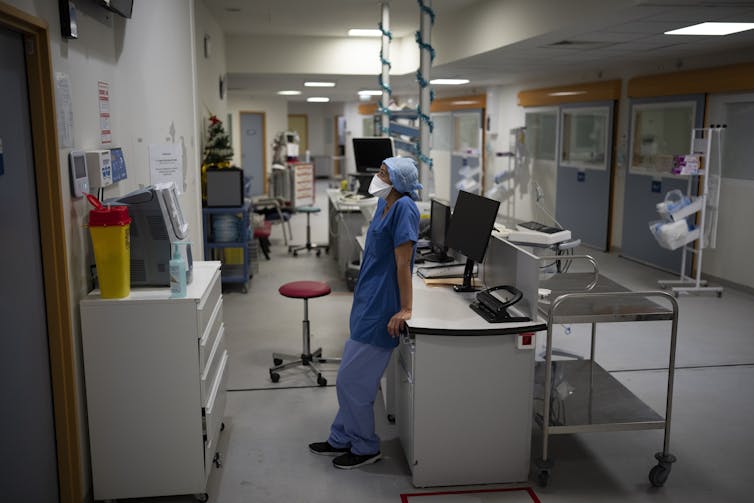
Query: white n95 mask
x=379 y=188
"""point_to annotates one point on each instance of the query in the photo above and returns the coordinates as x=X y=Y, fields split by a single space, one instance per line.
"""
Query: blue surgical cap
x=404 y=175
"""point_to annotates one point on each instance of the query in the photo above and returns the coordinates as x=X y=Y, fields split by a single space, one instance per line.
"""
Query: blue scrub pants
x=358 y=379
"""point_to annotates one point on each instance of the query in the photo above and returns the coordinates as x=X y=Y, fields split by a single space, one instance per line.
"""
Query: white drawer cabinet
x=155 y=371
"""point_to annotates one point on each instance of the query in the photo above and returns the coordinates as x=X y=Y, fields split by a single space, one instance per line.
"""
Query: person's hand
x=397 y=322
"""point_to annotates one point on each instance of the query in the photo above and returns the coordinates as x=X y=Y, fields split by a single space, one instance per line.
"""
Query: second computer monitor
x=470 y=228
x=438 y=232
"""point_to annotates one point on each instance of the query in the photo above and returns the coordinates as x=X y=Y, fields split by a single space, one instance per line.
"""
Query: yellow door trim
x=53 y=244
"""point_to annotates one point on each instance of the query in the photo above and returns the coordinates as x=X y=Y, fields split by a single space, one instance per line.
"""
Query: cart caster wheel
x=290 y=249
x=217 y=460
x=277 y=361
x=319 y=253
x=321 y=380
x=244 y=290
x=222 y=426
x=391 y=419
x=295 y=254
x=327 y=250
x=201 y=497
x=543 y=477
x=274 y=376
x=659 y=474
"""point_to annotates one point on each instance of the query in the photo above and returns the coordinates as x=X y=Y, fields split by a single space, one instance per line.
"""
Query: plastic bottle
x=177 y=273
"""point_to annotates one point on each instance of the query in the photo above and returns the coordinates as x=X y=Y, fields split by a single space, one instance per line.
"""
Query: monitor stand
x=440 y=257
x=467 y=276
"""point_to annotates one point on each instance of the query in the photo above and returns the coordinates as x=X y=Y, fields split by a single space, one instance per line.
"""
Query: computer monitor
x=469 y=231
x=439 y=220
x=369 y=152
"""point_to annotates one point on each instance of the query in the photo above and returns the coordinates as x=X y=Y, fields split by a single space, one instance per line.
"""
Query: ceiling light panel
x=712 y=29
x=448 y=82
x=317 y=99
x=359 y=32
x=289 y=93
x=319 y=84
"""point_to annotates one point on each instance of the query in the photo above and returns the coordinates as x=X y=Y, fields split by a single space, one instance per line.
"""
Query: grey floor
x=269 y=425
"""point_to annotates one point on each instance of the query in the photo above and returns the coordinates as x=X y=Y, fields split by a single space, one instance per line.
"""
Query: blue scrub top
x=376 y=297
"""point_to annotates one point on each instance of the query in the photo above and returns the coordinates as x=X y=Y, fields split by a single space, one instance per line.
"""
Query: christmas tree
x=217 y=151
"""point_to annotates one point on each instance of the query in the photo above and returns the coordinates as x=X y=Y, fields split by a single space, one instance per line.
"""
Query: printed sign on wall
x=103 y=91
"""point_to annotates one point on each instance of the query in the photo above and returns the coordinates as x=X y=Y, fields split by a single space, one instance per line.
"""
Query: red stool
x=263 y=235
x=303 y=290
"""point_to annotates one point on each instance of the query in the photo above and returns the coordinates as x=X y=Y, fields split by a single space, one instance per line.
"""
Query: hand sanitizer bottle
x=177 y=273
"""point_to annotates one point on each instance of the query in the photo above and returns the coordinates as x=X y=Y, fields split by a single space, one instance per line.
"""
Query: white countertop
x=203 y=272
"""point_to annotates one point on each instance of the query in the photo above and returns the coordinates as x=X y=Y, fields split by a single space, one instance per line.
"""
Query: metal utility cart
x=579 y=396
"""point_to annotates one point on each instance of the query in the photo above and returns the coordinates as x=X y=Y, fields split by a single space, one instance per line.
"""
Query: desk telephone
x=493 y=307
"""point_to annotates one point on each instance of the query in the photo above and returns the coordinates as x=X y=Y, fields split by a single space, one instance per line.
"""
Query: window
x=658 y=132
x=541 y=134
x=584 y=143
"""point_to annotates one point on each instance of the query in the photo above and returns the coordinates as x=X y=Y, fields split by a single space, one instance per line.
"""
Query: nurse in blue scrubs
x=382 y=303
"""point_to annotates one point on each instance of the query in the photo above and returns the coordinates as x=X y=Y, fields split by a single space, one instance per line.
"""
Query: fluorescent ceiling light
x=448 y=82
x=358 y=32
x=317 y=99
x=289 y=93
x=370 y=92
x=712 y=29
x=566 y=93
x=319 y=84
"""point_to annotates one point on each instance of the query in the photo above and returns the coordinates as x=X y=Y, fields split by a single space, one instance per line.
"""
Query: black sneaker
x=325 y=449
x=350 y=460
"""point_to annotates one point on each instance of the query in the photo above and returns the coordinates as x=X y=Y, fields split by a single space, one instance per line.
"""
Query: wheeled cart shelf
x=580 y=396
x=598 y=402
x=231 y=273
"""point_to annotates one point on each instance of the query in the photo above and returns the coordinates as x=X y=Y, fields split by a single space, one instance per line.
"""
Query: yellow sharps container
x=109 y=227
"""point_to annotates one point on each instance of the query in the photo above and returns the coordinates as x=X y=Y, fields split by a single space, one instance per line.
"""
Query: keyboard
x=536 y=226
x=443 y=271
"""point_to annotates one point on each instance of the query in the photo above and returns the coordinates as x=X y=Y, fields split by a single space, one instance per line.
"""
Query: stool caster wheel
x=274 y=376
x=277 y=361
x=321 y=380
x=201 y=497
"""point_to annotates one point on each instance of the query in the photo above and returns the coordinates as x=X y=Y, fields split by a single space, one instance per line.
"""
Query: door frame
x=302 y=148
x=47 y=174
x=264 y=144
x=337 y=156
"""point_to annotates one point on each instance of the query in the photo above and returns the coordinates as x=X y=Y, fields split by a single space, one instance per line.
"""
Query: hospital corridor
x=376 y=251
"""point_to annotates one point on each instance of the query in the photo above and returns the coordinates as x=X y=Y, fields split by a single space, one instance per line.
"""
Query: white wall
x=306 y=55
x=210 y=68
x=148 y=62
x=354 y=129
